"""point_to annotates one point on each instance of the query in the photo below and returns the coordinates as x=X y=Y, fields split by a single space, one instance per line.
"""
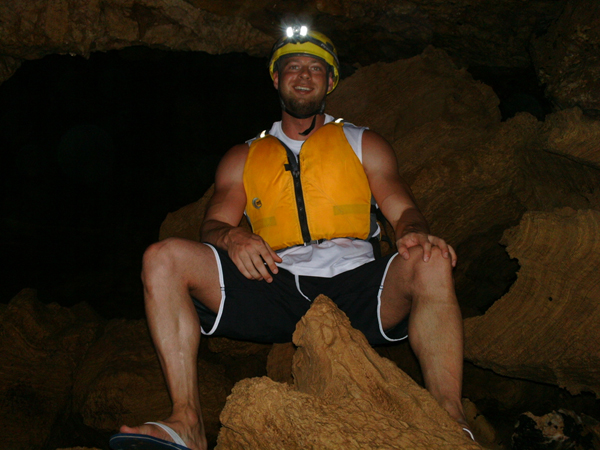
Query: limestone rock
x=232 y=347
x=407 y=94
x=41 y=347
x=574 y=135
x=344 y=396
x=279 y=363
x=484 y=432
x=34 y=29
x=488 y=33
x=567 y=59
x=399 y=99
x=548 y=180
x=445 y=129
x=8 y=66
x=556 y=430
x=546 y=328
x=185 y=222
x=120 y=382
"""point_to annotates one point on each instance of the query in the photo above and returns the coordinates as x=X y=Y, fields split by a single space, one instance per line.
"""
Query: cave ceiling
x=559 y=39
x=484 y=32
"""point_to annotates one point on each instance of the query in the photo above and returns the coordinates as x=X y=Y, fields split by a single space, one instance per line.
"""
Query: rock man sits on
x=309 y=188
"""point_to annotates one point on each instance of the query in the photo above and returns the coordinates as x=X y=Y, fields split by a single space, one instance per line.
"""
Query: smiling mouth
x=302 y=88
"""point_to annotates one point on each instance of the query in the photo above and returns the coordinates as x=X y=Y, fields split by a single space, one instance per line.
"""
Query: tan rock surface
x=279 y=363
x=41 y=347
x=545 y=328
x=572 y=134
x=185 y=222
x=344 y=396
x=484 y=432
x=567 y=59
x=548 y=180
x=557 y=429
x=120 y=382
x=487 y=33
x=34 y=29
x=407 y=94
x=232 y=347
x=446 y=131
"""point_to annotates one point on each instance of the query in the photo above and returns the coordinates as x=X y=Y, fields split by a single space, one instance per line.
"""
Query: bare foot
x=193 y=436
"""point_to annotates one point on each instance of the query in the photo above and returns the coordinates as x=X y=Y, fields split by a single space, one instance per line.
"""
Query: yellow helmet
x=301 y=41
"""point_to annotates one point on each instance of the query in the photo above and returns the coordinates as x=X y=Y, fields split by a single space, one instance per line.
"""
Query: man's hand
x=414 y=239
x=251 y=254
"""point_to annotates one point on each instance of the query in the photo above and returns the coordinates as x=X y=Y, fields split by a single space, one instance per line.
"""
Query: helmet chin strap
x=309 y=129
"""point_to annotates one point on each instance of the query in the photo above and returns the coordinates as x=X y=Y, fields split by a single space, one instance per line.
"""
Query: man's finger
x=241 y=265
x=261 y=267
x=403 y=251
x=443 y=247
x=270 y=258
x=248 y=267
x=453 y=256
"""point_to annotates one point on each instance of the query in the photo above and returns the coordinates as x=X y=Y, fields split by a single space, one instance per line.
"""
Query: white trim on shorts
x=379 y=304
x=222 y=284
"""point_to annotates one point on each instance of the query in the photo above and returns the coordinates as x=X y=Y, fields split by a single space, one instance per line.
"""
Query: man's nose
x=305 y=72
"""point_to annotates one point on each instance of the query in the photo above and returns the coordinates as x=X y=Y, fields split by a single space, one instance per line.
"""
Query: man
x=311 y=218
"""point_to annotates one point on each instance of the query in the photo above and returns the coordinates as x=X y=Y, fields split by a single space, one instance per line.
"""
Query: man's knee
x=435 y=270
x=165 y=256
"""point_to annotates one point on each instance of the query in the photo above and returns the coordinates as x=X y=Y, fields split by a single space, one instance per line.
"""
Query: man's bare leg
x=425 y=290
x=172 y=270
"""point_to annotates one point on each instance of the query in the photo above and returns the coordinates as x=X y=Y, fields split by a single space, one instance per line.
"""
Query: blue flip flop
x=130 y=441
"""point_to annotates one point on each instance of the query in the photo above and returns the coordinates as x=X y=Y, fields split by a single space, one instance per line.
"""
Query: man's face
x=303 y=83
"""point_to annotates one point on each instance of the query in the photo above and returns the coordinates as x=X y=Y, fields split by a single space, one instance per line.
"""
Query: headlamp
x=297 y=32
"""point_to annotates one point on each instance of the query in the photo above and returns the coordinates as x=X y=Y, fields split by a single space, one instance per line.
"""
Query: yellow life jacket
x=323 y=195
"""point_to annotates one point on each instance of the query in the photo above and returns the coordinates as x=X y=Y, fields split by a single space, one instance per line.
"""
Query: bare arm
x=248 y=251
x=396 y=201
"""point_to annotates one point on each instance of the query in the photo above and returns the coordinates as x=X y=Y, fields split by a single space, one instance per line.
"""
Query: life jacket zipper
x=294 y=168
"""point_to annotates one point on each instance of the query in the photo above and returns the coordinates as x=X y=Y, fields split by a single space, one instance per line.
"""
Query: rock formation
x=565 y=61
x=120 y=382
x=571 y=134
x=553 y=308
x=344 y=396
x=558 y=429
x=41 y=348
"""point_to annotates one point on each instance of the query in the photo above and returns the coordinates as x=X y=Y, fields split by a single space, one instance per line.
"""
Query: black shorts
x=258 y=311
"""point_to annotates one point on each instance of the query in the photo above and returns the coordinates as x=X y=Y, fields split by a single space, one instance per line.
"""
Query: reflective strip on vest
x=334 y=185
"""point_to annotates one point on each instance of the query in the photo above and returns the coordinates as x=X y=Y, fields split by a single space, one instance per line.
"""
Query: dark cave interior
x=95 y=154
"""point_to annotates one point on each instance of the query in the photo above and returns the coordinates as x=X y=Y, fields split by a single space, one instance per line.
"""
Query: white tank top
x=335 y=256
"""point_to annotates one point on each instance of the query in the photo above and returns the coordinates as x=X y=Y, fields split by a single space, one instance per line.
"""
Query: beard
x=302 y=107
